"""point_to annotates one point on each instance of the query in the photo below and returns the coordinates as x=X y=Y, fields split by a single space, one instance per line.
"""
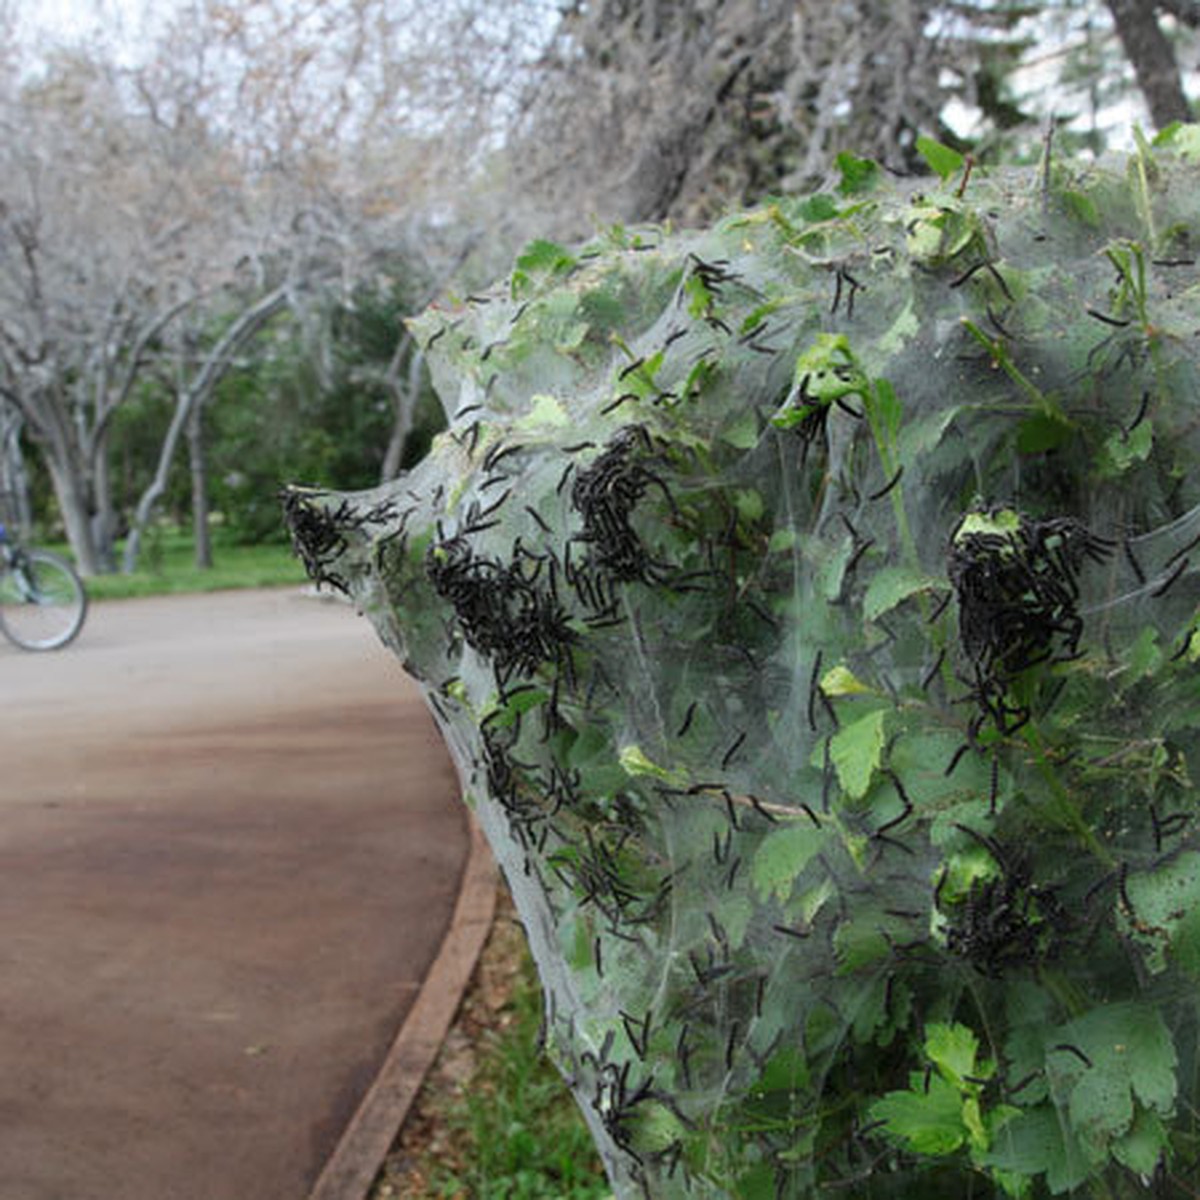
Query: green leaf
x=749 y=504
x=1002 y=522
x=1042 y=432
x=887 y=409
x=545 y=257
x=1193 y=653
x=544 y=412
x=634 y=762
x=841 y=681
x=1164 y=903
x=577 y=945
x=818 y=208
x=856 y=751
x=1101 y=1107
x=1082 y=207
x=928 y=1120
x=786 y=1071
x=698 y=378
x=640 y=380
x=959 y=872
x=742 y=433
x=904 y=327
x=919 y=756
x=859 y=940
x=829 y=567
x=1123 y=450
x=1185 y=943
x=700 y=297
x=1101 y=1061
x=603 y=310
x=1144 y=655
x=921 y=434
x=1166 y=135
x=858 y=174
x=801 y=911
x=942 y=160
x=505 y=715
x=655 y=1128
x=938 y=234
x=1183 y=139
x=735 y=914
x=827 y=371
x=953 y=1049
x=1141 y=1148
x=891 y=585
x=758 y=1183
x=782 y=856
x=1038 y=1142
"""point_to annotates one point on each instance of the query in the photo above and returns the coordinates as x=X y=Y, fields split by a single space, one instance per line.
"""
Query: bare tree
x=642 y=110
x=109 y=230
x=198 y=185
x=652 y=109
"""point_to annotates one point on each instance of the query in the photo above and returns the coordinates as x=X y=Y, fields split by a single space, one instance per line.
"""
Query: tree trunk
x=184 y=405
x=104 y=519
x=14 y=478
x=189 y=402
x=71 y=492
x=198 y=460
x=55 y=435
x=1153 y=60
x=404 y=402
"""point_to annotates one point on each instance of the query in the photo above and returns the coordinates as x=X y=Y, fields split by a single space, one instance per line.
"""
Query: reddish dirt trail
x=230 y=844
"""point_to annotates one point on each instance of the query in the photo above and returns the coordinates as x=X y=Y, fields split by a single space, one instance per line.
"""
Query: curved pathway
x=230 y=848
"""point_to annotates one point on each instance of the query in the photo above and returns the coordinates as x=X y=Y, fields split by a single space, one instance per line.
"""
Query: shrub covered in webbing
x=811 y=605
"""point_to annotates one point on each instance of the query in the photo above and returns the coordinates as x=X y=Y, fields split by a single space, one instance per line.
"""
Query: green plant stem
x=1064 y=812
x=1000 y=356
x=888 y=463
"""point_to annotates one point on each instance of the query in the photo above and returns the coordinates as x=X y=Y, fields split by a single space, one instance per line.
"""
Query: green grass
x=167 y=567
x=494 y=1120
x=518 y=1132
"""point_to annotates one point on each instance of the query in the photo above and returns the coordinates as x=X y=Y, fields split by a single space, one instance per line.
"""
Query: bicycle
x=42 y=600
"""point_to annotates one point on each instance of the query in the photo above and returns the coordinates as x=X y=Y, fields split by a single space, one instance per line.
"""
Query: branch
x=137 y=358
x=188 y=401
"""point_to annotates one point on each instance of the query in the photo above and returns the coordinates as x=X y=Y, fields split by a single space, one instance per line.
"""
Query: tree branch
x=215 y=364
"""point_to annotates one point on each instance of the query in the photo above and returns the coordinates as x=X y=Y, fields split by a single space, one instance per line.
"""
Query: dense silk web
x=810 y=606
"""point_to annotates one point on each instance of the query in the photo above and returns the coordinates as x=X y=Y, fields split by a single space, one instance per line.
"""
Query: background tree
x=149 y=199
x=648 y=109
x=1151 y=54
x=210 y=185
x=93 y=266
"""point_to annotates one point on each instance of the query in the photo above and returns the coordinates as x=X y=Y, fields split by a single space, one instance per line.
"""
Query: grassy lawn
x=167 y=567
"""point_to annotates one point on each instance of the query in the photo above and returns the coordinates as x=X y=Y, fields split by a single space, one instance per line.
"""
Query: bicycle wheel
x=42 y=601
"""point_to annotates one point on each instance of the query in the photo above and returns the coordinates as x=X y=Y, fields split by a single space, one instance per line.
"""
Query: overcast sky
x=118 y=21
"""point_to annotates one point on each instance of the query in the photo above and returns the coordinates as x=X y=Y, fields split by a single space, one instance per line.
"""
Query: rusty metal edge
x=355 y=1162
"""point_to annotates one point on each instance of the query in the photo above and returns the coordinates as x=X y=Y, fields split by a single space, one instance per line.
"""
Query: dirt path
x=229 y=846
